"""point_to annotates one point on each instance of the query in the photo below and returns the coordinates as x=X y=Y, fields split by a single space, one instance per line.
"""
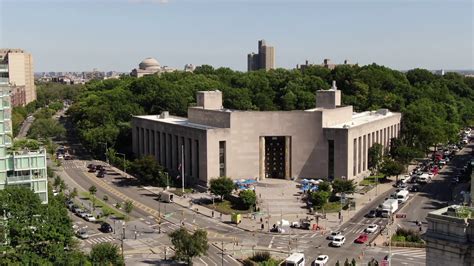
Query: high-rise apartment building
x=265 y=59
x=16 y=69
x=19 y=166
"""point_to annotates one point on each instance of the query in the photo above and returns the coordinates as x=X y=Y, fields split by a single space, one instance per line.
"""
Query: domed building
x=149 y=66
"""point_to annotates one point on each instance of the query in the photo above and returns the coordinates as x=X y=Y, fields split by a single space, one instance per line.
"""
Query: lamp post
x=106 y=149
x=124 y=169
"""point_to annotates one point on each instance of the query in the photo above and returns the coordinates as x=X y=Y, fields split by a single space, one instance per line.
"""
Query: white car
x=89 y=217
x=338 y=241
x=333 y=235
x=321 y=260
x=82 y=234
x=372 y=228
x=60 y=157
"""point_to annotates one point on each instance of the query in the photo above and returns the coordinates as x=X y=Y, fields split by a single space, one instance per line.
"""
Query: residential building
x=19 y=166
x=330 y=140
x=265 y=59
x=149 y=66
x=326 y=64
x=16 y=65
x=450 y=236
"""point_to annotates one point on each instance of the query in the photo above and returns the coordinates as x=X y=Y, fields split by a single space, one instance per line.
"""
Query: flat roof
x=364 y=118
x=175 y=120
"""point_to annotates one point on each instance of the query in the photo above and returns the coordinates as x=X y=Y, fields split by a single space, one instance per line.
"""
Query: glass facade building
x=20 y=167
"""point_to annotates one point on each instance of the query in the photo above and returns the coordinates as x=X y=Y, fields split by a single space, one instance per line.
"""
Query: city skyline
x=87 y=34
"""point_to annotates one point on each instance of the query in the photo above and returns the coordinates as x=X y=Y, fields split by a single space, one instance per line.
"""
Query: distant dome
x=149 y=64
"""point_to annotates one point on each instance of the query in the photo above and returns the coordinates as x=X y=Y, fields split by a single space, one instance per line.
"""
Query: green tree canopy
x=221 y=186
x=106 y=254
x=375 y=156
x=188 y=246
x=390 y=167
x=148 y=171
x=248 y=198
x=319 y=198
x=340 y=185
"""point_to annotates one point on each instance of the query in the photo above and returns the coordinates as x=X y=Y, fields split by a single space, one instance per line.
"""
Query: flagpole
x=182 y=168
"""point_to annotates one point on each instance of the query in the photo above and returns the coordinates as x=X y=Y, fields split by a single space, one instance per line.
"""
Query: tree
x=92 y=190
x=44 y=128
x=324 y=186
x=340 y=185
x=375 y=156
x=56 y=182
x=188 y=246
x=148 y=171
x=128 y=206
x=390 y=167
x=248 y=198
x=73 y=194
x=106 y=254
x=319 y=198
x=222 y=186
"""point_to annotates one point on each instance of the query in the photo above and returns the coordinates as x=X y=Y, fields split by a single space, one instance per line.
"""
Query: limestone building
x=16 y=69
x=328 y=141
x=265 y=59
x=450 y=236
x=149 y=66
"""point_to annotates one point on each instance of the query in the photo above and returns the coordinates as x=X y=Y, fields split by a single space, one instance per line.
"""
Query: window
x=331 y=158
x=222 y=158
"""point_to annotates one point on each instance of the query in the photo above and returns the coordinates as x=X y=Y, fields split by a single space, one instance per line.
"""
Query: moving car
x=371 y=228
x=333 y=235
x=106 y=228
x=338 y=241
x=362 y=239
x=371 y=214
x=321 y=260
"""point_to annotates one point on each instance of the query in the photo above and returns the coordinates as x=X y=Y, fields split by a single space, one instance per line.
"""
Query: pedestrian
x=261 y=219
x=262 y=226
x=212 y=214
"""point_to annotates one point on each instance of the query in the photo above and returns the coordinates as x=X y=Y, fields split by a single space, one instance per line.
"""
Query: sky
x=79 y=35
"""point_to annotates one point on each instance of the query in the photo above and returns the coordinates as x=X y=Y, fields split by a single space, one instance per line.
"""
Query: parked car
x=334 y=234
x=91 y=166
x=371 y=214
x=82 y=234
x=362 y=239
x=106 y=228
x=372 y=228
x=455 y=180
x=76 y=209
x=415 y=188
x=89 y=217
x=82 y=214
x=101 y=174
x=60 y=156
x=338 y=241
x=92 y=169
x=321 y=260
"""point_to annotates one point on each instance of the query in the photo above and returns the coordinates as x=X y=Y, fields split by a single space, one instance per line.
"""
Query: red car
x=362 y=239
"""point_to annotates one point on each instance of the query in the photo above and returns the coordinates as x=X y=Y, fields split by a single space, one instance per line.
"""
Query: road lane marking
x=271 y=242
x=203 y=261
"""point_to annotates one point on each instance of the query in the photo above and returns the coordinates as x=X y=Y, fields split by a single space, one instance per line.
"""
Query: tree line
x=434 y=107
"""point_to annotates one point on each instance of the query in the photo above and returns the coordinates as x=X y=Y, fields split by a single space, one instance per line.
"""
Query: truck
x=166 y=196
x=389 y=207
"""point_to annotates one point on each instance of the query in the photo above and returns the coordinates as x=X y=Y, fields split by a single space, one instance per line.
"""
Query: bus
x=296 y=259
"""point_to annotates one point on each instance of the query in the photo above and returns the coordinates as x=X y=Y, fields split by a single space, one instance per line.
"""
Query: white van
x=296 y=259
x=402 y=196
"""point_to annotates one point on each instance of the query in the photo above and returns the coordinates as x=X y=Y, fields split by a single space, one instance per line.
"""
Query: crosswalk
x=72 y=164
x=97 y=240
x=358 y=228
x=409 y=252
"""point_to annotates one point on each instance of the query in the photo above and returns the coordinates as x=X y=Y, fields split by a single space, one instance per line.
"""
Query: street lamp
x=124 y=169
x=106 y=149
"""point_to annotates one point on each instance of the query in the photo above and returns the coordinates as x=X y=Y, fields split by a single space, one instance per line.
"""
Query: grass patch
x=180 y=193
x=371 y=180
x=330 y=207
x=105 y=207
x=228 y=207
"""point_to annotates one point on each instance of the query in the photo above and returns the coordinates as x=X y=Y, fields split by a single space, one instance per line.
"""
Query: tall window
x=221 y=158
x=331 y=158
